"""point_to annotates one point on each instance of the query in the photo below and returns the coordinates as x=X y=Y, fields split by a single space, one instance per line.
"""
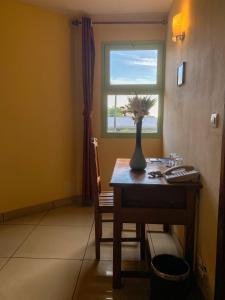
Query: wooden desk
x=139 y=199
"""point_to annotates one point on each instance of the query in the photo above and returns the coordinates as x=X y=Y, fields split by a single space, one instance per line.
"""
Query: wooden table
x=140 y=199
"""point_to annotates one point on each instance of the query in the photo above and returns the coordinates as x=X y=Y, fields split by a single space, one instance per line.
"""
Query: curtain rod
x=77 y=22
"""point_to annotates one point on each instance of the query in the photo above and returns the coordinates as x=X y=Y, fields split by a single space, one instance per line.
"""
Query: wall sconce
x=178 y=34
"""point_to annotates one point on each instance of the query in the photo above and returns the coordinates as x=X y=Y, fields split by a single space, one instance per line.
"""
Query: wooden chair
x=104 y=203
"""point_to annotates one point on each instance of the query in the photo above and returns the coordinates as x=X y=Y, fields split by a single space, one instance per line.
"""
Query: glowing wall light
x=178 y=34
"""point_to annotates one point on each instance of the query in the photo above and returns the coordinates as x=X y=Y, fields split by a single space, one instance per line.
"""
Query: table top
x=124 y=176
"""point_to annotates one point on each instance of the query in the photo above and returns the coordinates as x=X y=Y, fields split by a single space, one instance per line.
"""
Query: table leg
x=189 y=245
x=117 y=254
x=117 y=232
x=142 y=243
x=190 y=228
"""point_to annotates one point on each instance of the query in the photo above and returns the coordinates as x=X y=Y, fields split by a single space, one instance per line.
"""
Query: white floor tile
x=11 y=236
x=2 y=262
x=38 y=279
x=56 y=242
x=69 y=216
x=32 y=219
x=130 y=250
x=95 y=283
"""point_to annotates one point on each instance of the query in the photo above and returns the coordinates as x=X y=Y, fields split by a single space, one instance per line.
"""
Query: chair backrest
x=95 y=170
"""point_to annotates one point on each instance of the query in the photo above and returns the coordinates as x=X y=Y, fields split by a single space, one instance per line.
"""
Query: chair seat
x=106 y=201
x=106 y=194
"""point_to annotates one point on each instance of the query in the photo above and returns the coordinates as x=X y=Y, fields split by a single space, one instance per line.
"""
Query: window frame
x=130 y=89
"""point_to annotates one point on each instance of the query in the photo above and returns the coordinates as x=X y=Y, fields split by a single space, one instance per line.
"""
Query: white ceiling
x=107 y=7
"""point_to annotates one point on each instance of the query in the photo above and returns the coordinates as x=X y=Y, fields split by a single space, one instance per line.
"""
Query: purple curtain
x=88 y=61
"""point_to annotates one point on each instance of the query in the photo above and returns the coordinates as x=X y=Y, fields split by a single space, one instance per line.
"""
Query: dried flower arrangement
x=138 y=107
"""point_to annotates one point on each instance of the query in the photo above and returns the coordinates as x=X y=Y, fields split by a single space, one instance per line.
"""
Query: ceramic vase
x=138 y=162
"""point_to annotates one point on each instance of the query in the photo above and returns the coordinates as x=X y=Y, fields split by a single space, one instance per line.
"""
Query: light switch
x=214 y=120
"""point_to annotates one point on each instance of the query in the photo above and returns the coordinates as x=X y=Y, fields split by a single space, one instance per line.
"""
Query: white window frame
x=132 y=89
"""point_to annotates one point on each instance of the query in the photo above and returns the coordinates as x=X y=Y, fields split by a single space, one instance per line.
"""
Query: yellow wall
x=112 y=148
x=187 y=111
x=37 y=144
x=42 y=105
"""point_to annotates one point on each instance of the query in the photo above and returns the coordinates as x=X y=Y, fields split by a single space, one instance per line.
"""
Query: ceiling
x=99 y=8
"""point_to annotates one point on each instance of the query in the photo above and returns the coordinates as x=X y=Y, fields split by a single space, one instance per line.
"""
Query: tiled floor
x=50 y=256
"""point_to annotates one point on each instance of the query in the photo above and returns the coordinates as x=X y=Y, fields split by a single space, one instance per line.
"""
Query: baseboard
x=21 y=212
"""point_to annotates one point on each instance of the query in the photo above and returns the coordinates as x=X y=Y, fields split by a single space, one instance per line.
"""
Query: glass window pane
x=133 y=67
x=118 y=123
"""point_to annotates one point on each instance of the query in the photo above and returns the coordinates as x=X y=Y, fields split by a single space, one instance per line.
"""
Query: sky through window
x=133 y=67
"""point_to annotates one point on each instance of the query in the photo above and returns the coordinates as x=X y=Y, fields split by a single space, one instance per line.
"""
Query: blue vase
x=138 y=162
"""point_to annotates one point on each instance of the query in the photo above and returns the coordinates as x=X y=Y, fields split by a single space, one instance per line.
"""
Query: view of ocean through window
x=117 y=122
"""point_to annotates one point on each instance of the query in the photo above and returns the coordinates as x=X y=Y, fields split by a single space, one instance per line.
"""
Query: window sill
x=131 y=135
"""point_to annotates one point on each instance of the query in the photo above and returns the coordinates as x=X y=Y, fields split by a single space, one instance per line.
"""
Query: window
x=134 y=68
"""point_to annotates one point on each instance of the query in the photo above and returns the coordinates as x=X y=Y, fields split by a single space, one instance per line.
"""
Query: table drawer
x=154 y=198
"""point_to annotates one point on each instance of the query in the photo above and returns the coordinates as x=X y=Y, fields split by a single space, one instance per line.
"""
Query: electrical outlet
x=214 y=120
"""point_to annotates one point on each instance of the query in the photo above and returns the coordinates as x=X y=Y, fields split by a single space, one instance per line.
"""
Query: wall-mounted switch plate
x=214 y=120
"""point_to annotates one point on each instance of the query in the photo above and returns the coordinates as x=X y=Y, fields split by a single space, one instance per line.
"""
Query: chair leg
x=98 y=234
x=142 y=241
x=138 y=231
x=166 y=228
x=140 y=235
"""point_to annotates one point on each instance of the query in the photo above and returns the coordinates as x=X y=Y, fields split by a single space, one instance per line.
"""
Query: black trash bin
x=170 y=278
